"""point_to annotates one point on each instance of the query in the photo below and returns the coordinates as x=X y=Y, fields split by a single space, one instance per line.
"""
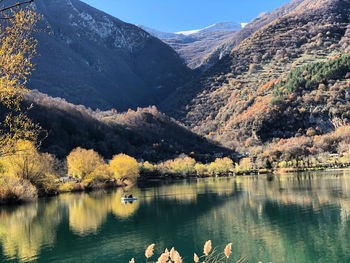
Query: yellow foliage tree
x=221 y=166
x=27 y=163
x=183 y=166
x=148 y=168
x=246 y=164
x=85 y=164
x=345 y=158
x=201 y=169
x=100 y=174
x=17 y=48
x=124 y=167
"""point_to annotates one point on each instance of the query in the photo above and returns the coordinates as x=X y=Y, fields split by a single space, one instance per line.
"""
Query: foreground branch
x=15 y=5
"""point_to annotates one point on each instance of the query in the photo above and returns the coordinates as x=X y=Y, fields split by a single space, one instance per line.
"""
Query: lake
x=292 y=218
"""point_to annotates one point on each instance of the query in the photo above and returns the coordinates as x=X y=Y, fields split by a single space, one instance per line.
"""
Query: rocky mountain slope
x=287 y=79
x=256 y=24
x=194 y=46
x=91 y=58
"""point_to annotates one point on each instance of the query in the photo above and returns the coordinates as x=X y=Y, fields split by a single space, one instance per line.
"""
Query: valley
x=272 y=95
x=236 y=89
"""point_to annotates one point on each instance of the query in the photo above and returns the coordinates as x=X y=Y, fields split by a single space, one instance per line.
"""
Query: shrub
x=49 y=184
x=124 y=167
x=28 y=164
x=14 y=189
x=66 y=187
x=283 y=164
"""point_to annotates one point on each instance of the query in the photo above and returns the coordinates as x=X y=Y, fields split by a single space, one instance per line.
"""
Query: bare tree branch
x=15 y=5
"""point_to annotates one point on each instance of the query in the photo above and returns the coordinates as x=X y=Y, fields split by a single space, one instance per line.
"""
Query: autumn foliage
x=17 y=48
x=29 y=170
x=124 y=167
x=82 y=163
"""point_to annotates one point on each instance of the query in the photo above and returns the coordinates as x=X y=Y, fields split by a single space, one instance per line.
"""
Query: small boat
x=129 y=199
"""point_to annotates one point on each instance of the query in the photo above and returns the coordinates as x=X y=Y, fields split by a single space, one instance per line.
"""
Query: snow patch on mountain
x=228 y=26
x=189 y=32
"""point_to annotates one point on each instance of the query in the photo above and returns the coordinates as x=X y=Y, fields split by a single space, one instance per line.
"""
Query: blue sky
x=180 y=15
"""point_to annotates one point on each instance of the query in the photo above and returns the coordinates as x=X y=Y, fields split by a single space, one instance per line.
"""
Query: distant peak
x=228 y=26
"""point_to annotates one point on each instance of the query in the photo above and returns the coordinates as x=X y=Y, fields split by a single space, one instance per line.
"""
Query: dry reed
x=149 y=251
x=207 y=247
x=210 y=255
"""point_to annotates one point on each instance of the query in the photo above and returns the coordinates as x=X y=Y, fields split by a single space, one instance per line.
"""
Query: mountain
x=89 y=57
x=195 y=45
x=290 y=78
x=249 y=28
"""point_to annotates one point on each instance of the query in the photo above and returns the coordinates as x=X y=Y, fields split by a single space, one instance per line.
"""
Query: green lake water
x=294 y=218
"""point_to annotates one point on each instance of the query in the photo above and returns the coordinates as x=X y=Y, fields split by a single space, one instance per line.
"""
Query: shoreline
x=147 y=179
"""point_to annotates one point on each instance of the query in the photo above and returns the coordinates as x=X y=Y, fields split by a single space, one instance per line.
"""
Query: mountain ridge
x=262 y=20
x=91 y=52
x=195 y=45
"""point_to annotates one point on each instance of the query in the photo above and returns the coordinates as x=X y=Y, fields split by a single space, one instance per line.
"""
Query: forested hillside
x=145 y=133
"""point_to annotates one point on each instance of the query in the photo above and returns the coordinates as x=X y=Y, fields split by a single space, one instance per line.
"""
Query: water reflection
x=265 y=219
x=24 y=230
x=87 y=212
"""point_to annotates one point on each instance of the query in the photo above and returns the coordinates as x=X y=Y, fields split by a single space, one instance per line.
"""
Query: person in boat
x=130 y=196
x=125 y=196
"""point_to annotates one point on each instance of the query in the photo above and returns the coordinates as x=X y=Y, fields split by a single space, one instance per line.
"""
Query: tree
x=221 y=166
x=201 y=169
x=268 y=164
x=148 y=168
x=246 y=164
x=99 y=175
x=28 y=164
x=183 y=166
x=82 y=163
x=124 y=167
x=17 y=48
